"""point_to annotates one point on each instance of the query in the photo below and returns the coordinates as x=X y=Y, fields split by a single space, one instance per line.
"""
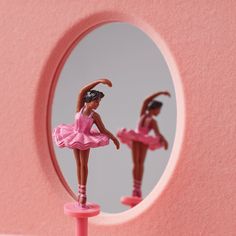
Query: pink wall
x=196 y=195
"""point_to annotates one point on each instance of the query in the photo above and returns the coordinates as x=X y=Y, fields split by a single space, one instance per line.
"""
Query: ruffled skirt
x=66 y=136
x=128 y=136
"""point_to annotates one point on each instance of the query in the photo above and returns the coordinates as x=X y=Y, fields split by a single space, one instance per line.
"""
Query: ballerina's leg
x=78 y=163
x=78 y=167
x=135 y=157
x=136 y=161
x=142 y=156
x=84 y=156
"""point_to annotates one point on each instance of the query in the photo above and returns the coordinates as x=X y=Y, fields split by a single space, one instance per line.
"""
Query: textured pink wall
x=198 y=188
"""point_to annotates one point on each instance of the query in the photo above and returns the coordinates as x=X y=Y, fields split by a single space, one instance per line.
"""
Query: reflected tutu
x=79 y=135
x=128 y=136
x=141 y=135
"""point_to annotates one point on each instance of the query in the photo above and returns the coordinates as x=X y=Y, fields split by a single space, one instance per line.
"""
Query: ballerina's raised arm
x=88 y=87
x=150 y=98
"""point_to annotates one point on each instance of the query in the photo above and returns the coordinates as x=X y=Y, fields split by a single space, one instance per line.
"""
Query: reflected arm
x=157 y=132
x=150 y=98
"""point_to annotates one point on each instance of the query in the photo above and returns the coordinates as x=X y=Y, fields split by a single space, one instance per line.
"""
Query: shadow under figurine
x=140 y=141
x=80 y=136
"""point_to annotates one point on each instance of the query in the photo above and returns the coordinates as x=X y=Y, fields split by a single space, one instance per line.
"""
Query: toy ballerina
x=140 y=140
x=80 y=137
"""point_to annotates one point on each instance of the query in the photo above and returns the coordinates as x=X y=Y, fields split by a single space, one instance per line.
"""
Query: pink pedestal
x=130 y=200
x=81 y=215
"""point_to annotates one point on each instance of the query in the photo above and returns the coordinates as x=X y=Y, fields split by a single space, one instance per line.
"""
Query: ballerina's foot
x=85 y=206
x=82 y=206
x=82 y=202
x=137 y=193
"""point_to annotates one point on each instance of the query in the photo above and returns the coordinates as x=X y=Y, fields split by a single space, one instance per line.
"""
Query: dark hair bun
x=154 y=104
x=92 y=95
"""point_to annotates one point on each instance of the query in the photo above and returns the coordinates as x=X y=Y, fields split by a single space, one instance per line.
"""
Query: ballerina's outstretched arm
x=150 y=98
x=102 y=129
x=88 y=87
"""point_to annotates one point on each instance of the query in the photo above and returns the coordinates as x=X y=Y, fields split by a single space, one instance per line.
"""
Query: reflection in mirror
x=139 y=141
x=130 y=59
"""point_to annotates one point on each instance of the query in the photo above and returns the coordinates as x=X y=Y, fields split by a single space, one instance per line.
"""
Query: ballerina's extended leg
x=78 y=165
x=84 y=156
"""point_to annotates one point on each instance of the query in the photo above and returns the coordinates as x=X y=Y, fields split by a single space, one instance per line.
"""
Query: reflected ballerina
x=140 y=140
x=80 y=136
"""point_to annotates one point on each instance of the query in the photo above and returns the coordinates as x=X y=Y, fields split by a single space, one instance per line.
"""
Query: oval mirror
x=130 y=59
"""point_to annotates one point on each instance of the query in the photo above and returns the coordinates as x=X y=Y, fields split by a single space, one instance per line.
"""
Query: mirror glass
x=131 y=60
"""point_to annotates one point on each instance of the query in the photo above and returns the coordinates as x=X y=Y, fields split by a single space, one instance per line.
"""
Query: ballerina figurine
x=80 y=136
x=140 y=140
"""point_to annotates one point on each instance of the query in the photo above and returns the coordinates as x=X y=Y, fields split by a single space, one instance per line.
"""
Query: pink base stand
x=81 y=215
x=130 y=200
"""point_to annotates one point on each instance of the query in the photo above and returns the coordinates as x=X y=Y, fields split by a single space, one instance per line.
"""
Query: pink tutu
x=79 y=135
x=140 y=135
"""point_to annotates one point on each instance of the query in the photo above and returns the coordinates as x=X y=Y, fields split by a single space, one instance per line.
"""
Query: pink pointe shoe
x=82 y=202
x=137 y=193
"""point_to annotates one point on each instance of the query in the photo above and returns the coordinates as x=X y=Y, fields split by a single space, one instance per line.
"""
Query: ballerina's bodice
x=83 y=123
x=144 y=124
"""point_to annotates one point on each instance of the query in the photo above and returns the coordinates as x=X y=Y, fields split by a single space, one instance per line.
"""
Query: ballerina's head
x=92 y=99
x=154 y=107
